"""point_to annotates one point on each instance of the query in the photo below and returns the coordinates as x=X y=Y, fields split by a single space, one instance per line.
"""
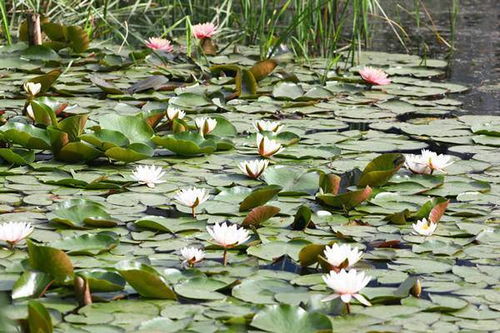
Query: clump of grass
x=308 y=27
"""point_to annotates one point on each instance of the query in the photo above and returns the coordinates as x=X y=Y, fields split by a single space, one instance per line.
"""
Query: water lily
x=14 y=232
x=342 y=256
x=271 y=126
x=192 y=197
x=205 y=125
x=427 y=162
x=415 y=164
x=228 y=236
x=192 y=255
x=253 y=169
x=149 y=175
x=175 y=113
x=32 y=88
x=346 y=286
x=374 y=76
x=267 y=147
x=160 y=44
x=204 y=30
x=424 y=227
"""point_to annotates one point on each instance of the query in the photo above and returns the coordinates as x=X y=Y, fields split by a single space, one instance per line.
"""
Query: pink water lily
x=374 y=76
x=204 y=30
x=160 y=44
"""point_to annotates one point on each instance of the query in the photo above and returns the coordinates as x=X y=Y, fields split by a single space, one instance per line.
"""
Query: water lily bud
x=416 y=290
x=32 y=88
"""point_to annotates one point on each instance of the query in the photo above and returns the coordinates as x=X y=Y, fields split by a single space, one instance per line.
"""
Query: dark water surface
x=476 y=60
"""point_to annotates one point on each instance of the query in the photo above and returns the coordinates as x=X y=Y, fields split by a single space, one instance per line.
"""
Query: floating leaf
x=286 y=318
x=145 y=279
x=259 y=197
x=31 y=284
x=82 y=214
x=433 y=209
x=381 y=169
x=309 y=254
x=260 y=214
x=103 y=280
x=302 y=218
x=38 y=318
x=263 y=68
x=294 y=181
x=87 y=244
x=186 y=143
x=47 y=79
x=17 y=156
x=246 y=85
x=346 y=200
x=49 y=260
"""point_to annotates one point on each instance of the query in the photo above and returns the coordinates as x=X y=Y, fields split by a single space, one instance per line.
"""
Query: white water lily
x=253 y=169
x=415 y=164
x=14 y=232
x=228 y=236
x=342 y=256
x=32 y=88
x=267 y=147
x=347 y=285
x=192 y=255
x=148 y=174
x=175 y=113
x=205 y=125
x=271 y=126
x=427 y=162
x=424 y=227
x=192 y=197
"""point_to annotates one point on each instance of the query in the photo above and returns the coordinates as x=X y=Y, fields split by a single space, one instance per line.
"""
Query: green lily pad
x=259 y=196
x=49 y=260
x=286 y=318
x=145 y=279
x=87 y=244
x=82 y=214
x=186 y=143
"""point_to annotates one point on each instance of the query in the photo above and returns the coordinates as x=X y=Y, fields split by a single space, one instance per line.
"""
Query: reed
x=307 y=27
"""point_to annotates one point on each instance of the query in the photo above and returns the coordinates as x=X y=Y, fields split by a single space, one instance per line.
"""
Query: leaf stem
x=224 y=257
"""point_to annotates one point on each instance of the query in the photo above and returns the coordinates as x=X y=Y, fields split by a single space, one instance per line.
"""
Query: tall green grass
x=307 y=27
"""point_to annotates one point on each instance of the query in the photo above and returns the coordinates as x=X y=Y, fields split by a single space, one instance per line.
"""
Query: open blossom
x=415 y=164
x=374 y=76
x=424 y=227
x=14 y=232
x=427 y=162
x=267 y=147
x=192 y=255
x=32 y=88
x=343 y=256
x=204 y=30
x=192 y=197
x=271 y=126
x=175 y=113
x=228 y=236
x=160 y=44
x=253 y=169
x=205 y=125
x=347 y=285
x=149 y=175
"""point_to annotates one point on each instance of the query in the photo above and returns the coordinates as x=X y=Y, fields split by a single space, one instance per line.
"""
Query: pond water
x=476 y=61
x=340 y=178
